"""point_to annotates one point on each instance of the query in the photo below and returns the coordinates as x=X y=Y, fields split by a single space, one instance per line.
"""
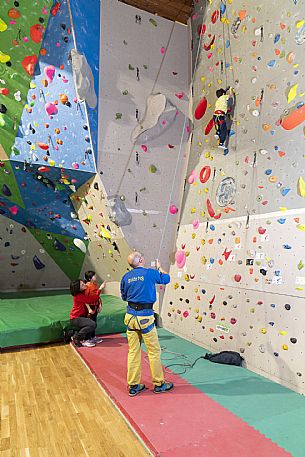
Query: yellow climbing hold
x=51 y=162
x=103 y=232
x=186 y=278
x=299 y=24
x=4 y=58
x=203 y=242
x=301 y=227
x=199 y=318
x=292 y=93
x=202 y=79
x=32 y=85
x=206 y=190
x=193 y=236
x=3 y=25
x=301 y=187
x=196 y=310
x=187 y=253
x=283 y=209
x=202 y=213
x=204 y=260
x=176 y=285
x=263 y=331
x=285 y=347
x=193 y=210
x=283 y=333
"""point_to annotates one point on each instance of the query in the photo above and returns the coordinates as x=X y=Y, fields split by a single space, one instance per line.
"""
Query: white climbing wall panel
x=242 y=231
x=140 y=54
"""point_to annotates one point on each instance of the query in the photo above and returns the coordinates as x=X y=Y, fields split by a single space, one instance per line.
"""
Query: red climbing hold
x=215 y=16
x=28 y=64
x=201 y=29
x=207 y=47
x=205 y=174
x=237 y=278
x=210 y=208
x=55 y=9
x=4 y=91
x=201 y=109
x=43 y=146
x=36 y=33
x=209 y=127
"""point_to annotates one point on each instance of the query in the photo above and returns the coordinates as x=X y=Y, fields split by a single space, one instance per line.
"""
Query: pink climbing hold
x=14 y=210
x=49 y=71
x=180 y=95
x=196 y=223
x=143 y=147
x=186 y=314
x=75 y=165
x=261 y=230
x=237 y=278
x=173 y=209
x=180 y=258
x=51 y=109
x=162 y=50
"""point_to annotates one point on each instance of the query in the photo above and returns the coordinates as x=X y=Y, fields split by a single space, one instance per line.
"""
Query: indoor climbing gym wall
x=238 y=279
x=48 y=121
x=144 y=123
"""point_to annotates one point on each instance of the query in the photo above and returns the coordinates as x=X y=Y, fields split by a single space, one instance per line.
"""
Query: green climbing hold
x=153 y=168
x=118 y=116
x=153 y=22
x=125 y=92
x=130 y=67
x=300 y=265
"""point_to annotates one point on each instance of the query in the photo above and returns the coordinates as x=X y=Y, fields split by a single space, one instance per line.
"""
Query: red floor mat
x=179 y=423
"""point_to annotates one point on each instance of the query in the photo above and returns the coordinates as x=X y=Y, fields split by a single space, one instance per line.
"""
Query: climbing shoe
x=165 y=387
x=137 y=389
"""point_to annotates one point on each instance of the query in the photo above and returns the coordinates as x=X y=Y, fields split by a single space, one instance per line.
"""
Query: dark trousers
x=221 y=128
x=86 y=328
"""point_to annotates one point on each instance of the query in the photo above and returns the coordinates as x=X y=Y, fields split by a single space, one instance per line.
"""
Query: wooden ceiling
x=175 y=10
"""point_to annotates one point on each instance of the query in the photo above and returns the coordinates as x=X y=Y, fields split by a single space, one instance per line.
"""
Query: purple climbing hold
x=59 y=246
x=38 y=263
x=6 y=190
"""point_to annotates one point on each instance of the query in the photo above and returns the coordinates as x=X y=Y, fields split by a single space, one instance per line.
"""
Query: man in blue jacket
x=138 y=288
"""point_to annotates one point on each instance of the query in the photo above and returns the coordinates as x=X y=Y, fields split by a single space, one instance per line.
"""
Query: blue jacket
x=139 y=285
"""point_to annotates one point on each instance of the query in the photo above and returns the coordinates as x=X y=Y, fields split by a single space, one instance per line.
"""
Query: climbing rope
x=181 y=140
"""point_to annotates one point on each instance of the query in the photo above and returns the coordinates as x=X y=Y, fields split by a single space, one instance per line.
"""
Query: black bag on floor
x=225 y=357
x=68 y=333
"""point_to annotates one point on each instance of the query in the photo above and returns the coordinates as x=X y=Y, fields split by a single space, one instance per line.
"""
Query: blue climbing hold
x=282 y=220
x=222 y=8
x=276 y=38
x=212 y=227
x=287 y=246
x=285 y=191
x=271 y=63
x=268 y=172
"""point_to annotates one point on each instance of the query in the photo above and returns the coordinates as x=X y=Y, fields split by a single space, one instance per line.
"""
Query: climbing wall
x=143 y=54
x=238 y=279
x=46 y=142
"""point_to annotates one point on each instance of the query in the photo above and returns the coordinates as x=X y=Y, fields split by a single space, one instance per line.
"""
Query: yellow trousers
x=151 y=341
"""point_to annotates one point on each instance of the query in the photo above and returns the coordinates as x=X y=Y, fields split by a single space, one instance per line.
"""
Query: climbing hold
x=301 y=187
x=80 y=245
x=293 y=117
x=153 y=168
x=36 y=33
x=38 y=263
x=196 y=224
x=4 y=91
x=201 y=109
x=180 y=258
x=215 y=16
x=292 y=93
x=3 y=25
x=43 y=146
x=237 y=278
x=63 y=99
x=13 y=13
x=49 y=71
x=173 y=209
x=209 y=126
x=51 y=108
x=6 y=190
x=205 y=174
x=3 y=108
x=58 y=245
x=28 y=64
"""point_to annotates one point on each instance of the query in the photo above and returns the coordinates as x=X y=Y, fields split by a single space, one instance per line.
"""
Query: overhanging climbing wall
x=238 y=282
x=46 y=141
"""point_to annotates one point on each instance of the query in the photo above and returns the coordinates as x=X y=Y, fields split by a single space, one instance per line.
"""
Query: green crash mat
x=40 y=317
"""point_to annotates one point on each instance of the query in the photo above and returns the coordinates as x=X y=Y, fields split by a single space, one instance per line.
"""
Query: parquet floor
x=51 y=406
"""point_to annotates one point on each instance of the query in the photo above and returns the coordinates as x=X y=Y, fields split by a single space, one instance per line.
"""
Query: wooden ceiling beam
x=175 y=10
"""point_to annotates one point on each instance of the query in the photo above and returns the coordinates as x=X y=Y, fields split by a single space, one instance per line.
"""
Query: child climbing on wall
x=220 y=114
x=91 y=290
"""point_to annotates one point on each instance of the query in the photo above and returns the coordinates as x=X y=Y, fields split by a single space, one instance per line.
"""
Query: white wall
x=125 y=42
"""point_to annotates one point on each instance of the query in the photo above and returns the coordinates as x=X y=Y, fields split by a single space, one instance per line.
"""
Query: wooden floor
x=51 y=406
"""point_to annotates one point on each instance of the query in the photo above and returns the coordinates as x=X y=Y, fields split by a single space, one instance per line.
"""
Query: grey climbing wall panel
x=135 y=61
